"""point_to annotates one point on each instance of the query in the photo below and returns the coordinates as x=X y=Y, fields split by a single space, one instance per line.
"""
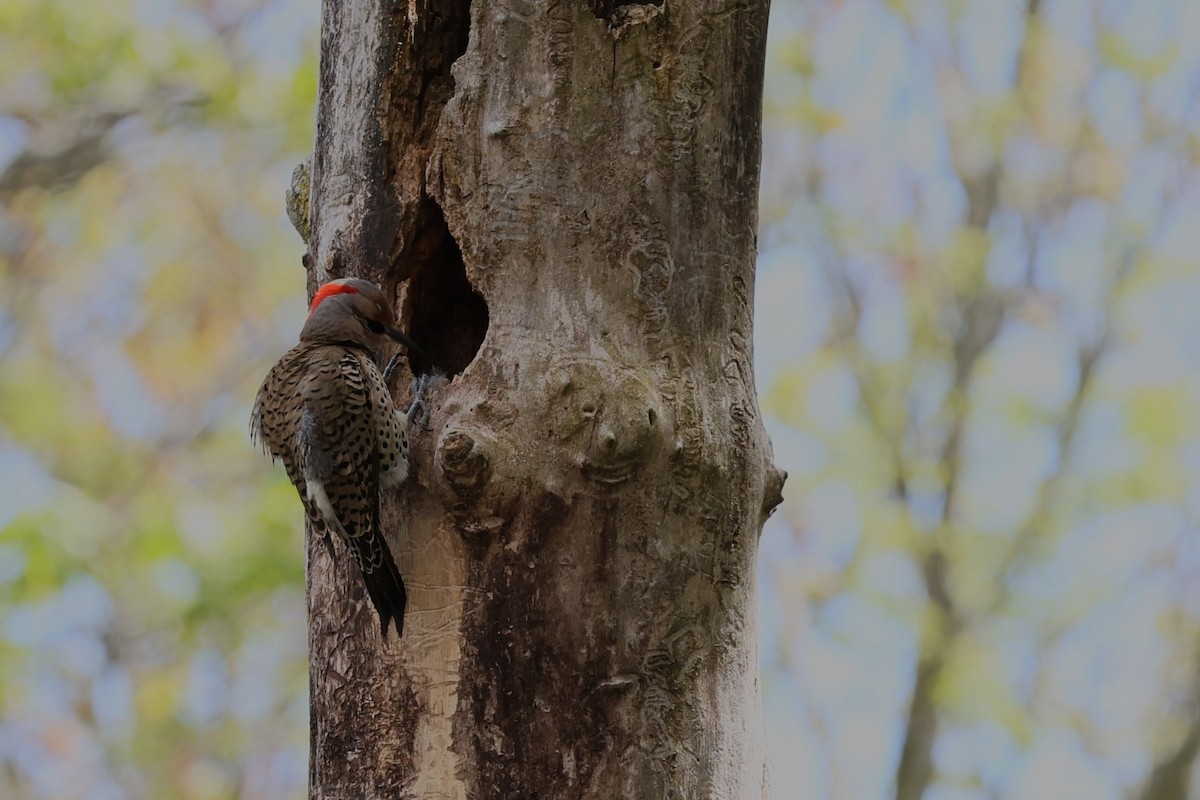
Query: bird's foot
x=418 y=412
x=392 y=365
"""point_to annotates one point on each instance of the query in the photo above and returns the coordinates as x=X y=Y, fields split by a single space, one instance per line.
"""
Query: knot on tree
x=611 y=413
x=618 y=14
x=296 y=199
x=464 y=463
x=773 y=490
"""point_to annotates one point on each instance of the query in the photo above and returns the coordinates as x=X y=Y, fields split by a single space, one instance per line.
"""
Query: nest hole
x=445 y=315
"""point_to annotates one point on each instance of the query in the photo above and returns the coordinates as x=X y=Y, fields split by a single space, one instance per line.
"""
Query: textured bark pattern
x=580 y=531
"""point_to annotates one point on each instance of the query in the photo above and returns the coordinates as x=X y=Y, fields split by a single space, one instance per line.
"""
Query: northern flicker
x=324 y=410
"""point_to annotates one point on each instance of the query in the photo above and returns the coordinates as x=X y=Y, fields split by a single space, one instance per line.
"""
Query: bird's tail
x=384 y=585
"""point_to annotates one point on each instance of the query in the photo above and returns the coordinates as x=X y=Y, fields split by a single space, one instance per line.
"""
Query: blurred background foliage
x=152 y=638
x=975 y=327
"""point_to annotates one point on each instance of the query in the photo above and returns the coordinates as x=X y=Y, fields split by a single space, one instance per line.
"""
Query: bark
x=1171 y=778
x=1173 y=774
x=563 y=204
x=914 y=773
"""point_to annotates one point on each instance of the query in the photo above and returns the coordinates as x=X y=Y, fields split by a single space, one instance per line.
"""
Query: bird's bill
x=401 y=337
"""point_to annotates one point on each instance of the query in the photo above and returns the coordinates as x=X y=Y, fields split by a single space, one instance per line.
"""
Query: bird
x=325 y=411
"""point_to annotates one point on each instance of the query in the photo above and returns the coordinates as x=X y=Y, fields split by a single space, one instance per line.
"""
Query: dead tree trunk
x=562 y=198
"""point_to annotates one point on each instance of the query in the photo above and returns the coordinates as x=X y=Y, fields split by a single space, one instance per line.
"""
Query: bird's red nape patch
x=329 y=290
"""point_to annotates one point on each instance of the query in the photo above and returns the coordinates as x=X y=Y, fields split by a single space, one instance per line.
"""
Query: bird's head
x=352 y=311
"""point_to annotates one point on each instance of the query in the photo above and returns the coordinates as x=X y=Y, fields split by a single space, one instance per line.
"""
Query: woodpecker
x=324 y=410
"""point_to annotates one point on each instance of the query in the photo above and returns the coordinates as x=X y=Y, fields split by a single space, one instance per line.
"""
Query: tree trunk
x=567 y=221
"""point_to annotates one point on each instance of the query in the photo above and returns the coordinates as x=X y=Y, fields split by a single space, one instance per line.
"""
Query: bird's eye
x=374 y=326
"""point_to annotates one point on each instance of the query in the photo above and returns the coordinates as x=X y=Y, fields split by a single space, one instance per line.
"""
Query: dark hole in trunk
x=444 y=313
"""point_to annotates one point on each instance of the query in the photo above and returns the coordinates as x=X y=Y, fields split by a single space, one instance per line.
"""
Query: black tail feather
x=384 y=585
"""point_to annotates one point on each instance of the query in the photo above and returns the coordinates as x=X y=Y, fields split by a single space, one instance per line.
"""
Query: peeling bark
x=564 y=207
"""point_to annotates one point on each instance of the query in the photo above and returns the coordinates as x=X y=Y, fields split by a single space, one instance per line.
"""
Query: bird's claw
x=392 y=365
x=418 y=409
x=418 y=412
